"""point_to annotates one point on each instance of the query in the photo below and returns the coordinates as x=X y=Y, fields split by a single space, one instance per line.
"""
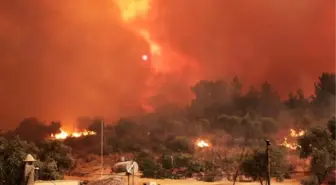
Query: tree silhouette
x=323 y=100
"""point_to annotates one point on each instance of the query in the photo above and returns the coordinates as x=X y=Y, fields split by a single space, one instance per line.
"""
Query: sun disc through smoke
x=144 y=57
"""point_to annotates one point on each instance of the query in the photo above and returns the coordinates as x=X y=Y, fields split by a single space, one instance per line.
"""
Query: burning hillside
x=64 y=135
x=159 y=48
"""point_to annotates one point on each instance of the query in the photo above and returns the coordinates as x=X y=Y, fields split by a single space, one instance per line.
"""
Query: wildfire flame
x=202 y=144
x=292 y=146
x=293 y=134
x=63 y=134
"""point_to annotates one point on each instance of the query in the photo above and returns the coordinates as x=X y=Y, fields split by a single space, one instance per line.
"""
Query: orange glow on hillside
x=202 y=144
x=64 y=135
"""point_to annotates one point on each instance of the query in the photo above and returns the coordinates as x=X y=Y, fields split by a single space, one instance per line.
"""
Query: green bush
x=48 y=170
x=196 y=166
x=182 y=160
x=12 y=154
x=319 y=144
x=310 y=181
x=167 y=161
x=254 y=166
x=143 y=157
x=150 y=169
x=180 y=144
x=58 y=152
x=55 y=156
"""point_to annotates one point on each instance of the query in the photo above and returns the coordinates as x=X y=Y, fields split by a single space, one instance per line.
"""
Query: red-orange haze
x=64 y=59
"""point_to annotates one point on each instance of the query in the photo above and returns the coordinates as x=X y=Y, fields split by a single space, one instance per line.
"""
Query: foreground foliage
x=255 y=165
x=54 y=159
x=319 y=144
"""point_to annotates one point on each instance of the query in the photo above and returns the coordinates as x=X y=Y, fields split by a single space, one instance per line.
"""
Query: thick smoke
x=63 y=59
x=288 y=43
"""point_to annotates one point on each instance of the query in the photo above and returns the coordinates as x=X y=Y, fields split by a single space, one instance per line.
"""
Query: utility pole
x=268 y=162
x=213 y=159
x=102 y=148
x=133 y=176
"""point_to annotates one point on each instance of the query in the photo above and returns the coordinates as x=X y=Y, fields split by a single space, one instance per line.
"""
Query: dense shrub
x=254 y=166
x=55 y=160
x=180 y=144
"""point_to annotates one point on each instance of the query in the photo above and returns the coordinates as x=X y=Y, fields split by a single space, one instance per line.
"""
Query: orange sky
x=64 y=59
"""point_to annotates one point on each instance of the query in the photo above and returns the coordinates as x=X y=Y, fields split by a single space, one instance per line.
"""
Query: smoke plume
x=285 y=42
x=64 y=59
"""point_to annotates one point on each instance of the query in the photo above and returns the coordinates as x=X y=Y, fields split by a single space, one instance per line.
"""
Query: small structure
x=128 y=167
x=29 y=170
